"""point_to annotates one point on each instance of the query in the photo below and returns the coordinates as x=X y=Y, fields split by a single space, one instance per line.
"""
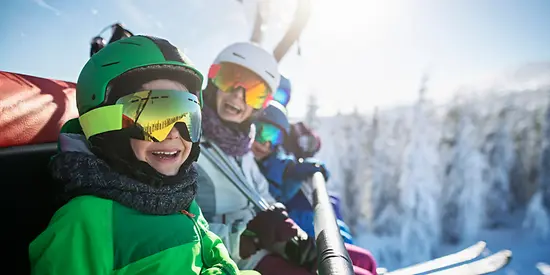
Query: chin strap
x=194 y=154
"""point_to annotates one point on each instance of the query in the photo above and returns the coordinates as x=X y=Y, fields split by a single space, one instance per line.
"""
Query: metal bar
x=301 y=16
x=6 y=152
x=332 y=256
x=257 y=32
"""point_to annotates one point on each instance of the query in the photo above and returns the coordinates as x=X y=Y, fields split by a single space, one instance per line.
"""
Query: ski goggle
x=282 y=96
x=229 y=77
x=150 y=115
x=268 y=132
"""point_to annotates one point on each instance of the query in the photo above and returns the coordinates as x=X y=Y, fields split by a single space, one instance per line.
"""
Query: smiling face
x=169 y=155
x=232 y=107
x=261 y=150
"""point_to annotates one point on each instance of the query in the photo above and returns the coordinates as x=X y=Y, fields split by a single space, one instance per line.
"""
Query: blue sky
x=355 y=53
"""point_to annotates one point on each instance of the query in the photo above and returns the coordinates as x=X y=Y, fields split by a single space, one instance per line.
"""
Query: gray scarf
x=84 y=174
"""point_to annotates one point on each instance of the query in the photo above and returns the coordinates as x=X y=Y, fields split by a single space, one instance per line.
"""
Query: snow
x=420 y=190
x=421 y=181
x=537 y=219
x=544 y=268
x=527 y=249
x=466 y=186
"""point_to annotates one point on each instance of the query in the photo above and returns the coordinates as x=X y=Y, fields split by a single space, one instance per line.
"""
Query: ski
x=486 y=265
x=544 y=268
x=466 y=254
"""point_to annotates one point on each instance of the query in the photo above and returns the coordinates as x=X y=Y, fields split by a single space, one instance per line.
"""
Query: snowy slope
x=527 y=249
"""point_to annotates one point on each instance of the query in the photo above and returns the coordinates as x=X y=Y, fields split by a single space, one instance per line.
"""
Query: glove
x=273 y=167
x=272 y=226
x=305 y=168
x=320 y=165
x=302 y=252
x=248 y=246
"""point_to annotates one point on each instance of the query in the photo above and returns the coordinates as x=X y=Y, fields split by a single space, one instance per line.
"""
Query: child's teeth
x=166 y=153
x=234 y=107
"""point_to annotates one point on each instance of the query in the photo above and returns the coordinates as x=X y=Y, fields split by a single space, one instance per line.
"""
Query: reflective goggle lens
x=282 y=96
x=268 y=132
x=151 y=114
x=228 y=77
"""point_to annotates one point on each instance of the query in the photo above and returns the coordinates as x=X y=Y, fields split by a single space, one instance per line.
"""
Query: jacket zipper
x=191 y=217
x=197 y=228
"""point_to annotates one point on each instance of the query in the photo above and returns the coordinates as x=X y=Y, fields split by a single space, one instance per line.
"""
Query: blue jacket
x=286 y=175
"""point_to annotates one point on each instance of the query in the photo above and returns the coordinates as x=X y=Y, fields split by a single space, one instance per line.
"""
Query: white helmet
x=254 y=58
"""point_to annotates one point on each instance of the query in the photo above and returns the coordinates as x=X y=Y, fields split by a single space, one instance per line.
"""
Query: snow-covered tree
x=311 y=118
x=544 y=187
x=420 y=188
x=385 y=163
x=350 y=169
x=366 y=171
x=405 y=196
x=499 y=149
x=537 y=217
x=466 y=181
x=353 y=167
x=528 y=136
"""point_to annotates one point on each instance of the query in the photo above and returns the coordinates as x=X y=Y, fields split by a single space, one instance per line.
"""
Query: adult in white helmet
x=241 y=82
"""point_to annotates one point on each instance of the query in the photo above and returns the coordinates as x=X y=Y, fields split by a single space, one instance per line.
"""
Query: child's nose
x=174 y=134
x=239 y=92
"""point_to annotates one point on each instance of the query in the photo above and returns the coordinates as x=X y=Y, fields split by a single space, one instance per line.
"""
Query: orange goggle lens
x=229 y=77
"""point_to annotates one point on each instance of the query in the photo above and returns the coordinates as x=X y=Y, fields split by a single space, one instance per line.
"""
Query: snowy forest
x=416 y=178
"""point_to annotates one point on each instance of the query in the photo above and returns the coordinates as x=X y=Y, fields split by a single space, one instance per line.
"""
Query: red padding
x=33 y=109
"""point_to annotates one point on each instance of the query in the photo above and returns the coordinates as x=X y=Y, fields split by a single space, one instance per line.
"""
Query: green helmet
x=127 y=55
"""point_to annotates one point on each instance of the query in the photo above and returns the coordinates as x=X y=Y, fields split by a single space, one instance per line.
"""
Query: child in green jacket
x=127 y=173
